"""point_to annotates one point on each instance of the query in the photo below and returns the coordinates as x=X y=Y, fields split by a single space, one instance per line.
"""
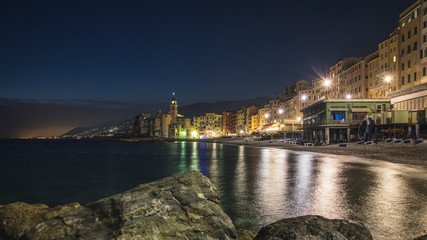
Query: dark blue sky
x=142 y=51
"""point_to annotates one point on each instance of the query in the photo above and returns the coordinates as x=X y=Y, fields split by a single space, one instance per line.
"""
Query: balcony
x=382 y=71
x=379 y=85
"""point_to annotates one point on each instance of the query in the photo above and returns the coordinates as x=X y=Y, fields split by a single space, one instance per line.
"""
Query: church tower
x=174 y=111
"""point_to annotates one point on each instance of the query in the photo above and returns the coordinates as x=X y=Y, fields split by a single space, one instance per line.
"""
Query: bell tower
x=174 y=110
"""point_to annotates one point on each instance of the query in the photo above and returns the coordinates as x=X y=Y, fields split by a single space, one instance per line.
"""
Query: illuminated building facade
x=209 y=125
x=409 y=46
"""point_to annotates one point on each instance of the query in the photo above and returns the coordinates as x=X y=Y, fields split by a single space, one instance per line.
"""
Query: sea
x=257 y=185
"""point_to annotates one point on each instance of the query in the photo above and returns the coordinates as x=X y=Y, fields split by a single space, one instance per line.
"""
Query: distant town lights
x=194 y=134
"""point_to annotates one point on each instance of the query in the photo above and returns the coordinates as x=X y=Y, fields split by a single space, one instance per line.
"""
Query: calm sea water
x=257 y=185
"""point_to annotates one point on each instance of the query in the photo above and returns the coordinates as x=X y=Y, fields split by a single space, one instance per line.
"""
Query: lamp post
x=280 y=111
x=266 y=117
x=388 y=80
x=304 y=97
x=327 y=82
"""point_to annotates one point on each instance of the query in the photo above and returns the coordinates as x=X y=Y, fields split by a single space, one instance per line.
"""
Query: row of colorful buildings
x=389 y=85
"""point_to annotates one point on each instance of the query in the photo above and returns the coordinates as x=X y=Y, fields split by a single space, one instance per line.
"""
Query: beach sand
x=396 y=153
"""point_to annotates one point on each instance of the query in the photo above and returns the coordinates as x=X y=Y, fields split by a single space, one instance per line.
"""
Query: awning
x=320 y=112
x=361 y=110
x=338 y=109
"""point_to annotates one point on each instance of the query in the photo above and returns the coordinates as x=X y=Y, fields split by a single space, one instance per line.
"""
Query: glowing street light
x=280 y=111
x=348 y=96
x=304 y=97
x=266 y=115
x=194 y=134
x=327 y=83
x=388 y=80
x=298 y=119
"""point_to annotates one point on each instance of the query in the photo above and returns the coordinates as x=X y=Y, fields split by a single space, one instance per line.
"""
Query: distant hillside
x=189 y=111
x=106 y=129
x=219 y=107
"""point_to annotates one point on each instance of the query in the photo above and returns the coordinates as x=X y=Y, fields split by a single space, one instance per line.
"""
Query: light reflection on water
x=257 y=185
x=270 y=184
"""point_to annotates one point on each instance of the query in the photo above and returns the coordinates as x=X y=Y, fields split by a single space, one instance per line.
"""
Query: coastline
x=396 y=153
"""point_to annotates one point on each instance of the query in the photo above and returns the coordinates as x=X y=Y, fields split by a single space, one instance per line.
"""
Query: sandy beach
x=396 y=153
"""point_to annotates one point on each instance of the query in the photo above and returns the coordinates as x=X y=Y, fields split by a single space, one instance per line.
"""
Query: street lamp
x=327 y=82
x=348 y=96
x=304 y=97
x=388 y=80
x=299 y=122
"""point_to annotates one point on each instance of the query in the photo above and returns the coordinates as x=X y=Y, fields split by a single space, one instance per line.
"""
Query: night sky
x=139 y=52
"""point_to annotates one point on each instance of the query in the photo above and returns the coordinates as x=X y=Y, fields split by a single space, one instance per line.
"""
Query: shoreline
x=395 y=153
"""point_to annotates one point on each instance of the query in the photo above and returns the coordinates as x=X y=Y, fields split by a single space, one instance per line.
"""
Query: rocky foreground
x=183 y=206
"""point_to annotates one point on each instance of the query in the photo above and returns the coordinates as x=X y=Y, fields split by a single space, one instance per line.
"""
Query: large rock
x=421 y=238
x=183 y=206
x=17 y=217
x=313 y=228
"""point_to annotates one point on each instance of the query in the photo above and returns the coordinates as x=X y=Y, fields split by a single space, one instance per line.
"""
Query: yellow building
x=386 y=78
x=209 y=125
x=181 y=129
x=373 y=66
x=262 y=115
x=409 y=46
x=241 y=121
x=171 y=124
x=317 y=88
x=292 y=108
x=254 y=122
